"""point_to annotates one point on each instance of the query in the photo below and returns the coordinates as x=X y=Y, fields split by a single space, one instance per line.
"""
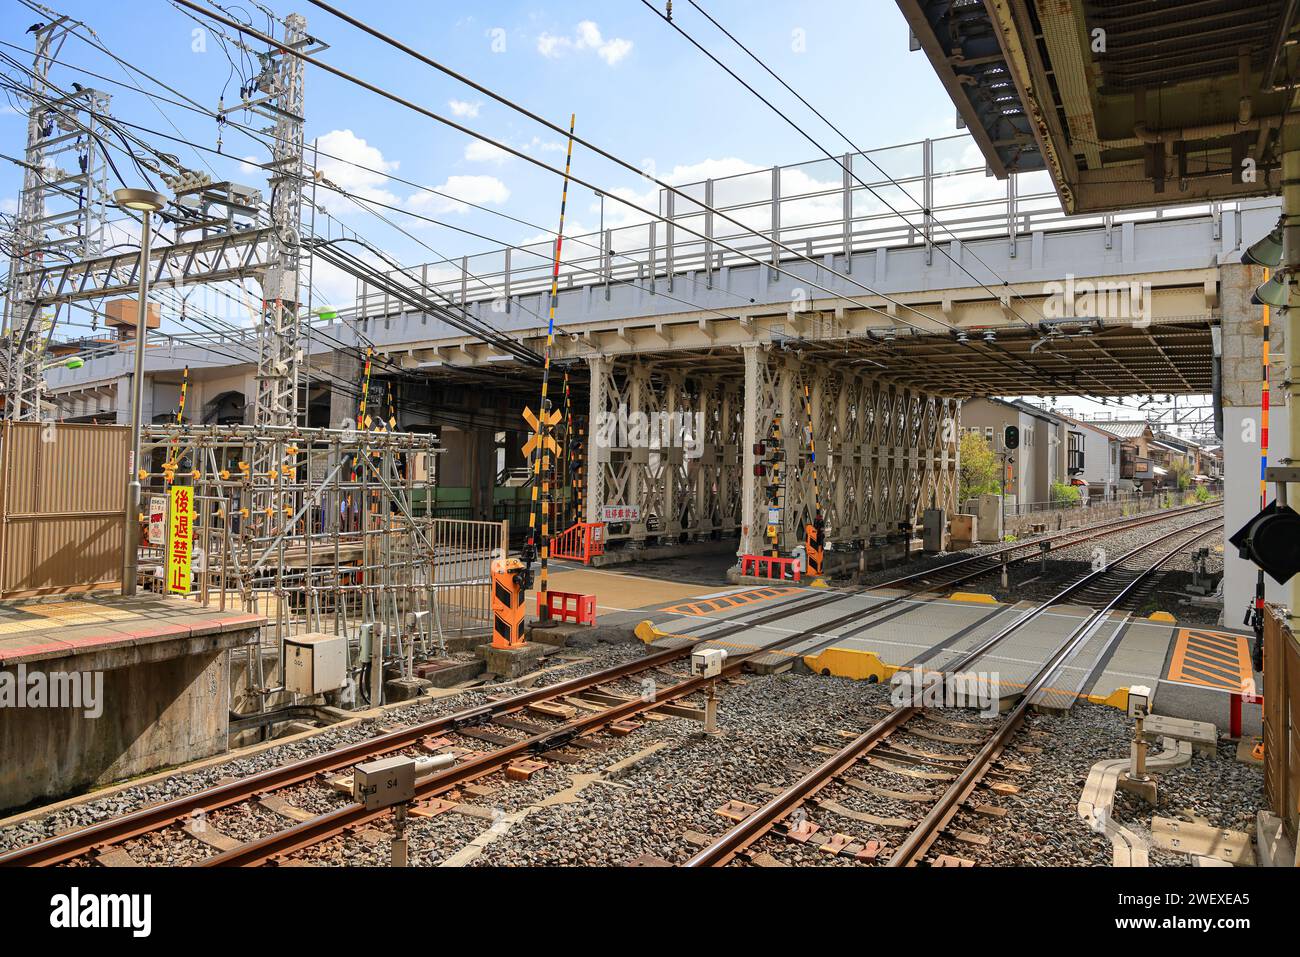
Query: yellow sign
x=180 y=539
x=534 y=439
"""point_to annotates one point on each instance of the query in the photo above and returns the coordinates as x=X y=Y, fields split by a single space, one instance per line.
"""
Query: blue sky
x=636 y=86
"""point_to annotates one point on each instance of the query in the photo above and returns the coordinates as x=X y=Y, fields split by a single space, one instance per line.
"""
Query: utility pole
x=60 y=212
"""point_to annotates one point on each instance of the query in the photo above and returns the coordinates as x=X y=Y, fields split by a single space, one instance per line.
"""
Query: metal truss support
x=884 y=452
x=666 y=445
x=598 y=456
x=61 y=215
x=213 y=259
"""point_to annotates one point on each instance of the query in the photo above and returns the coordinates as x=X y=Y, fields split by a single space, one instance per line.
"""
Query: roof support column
x=750 y=539
x=598 y=437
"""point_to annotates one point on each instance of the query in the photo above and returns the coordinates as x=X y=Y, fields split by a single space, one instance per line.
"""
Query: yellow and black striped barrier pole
x=542 y=452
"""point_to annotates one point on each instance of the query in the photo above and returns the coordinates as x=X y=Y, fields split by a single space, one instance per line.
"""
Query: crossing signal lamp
x=1271 y=540
x=1011 y=437
x=1275 y=291
x=1267 y=251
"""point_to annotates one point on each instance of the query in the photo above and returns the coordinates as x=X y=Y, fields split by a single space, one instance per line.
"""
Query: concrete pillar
x=1291 y=261
x=346 y=368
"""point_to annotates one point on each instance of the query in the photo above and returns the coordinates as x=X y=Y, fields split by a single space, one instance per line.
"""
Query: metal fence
x=463 y=553
x=61 y=518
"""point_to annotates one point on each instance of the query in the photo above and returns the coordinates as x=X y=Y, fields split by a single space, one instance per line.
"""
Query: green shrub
x=1065 y=494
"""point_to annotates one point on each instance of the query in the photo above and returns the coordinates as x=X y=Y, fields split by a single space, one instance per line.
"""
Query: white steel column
x=749 y=539
x=598 y=439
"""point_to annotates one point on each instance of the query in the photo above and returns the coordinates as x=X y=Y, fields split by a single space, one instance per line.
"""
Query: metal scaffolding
x=345 y=545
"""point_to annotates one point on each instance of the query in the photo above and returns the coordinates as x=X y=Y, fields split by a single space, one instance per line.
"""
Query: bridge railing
x=940 y=190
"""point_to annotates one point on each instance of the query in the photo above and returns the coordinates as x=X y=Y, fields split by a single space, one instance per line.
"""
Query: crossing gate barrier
x=580 y=542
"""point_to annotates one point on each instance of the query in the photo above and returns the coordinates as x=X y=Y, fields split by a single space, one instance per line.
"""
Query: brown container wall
x=61 y=493
x=1281 y=715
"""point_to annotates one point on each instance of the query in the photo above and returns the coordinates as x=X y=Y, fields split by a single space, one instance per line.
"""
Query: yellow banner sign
x=180 y=539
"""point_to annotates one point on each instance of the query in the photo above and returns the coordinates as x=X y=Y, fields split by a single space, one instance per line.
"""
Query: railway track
x=1119 y=581
x=546 y=721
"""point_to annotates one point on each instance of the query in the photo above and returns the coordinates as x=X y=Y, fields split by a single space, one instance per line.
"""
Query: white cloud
x=8 y=205
x=587 y=36
x=543 y=146
x=250 y=165
x=463 y=109
x=459 y=190
x=614 y=50
x=346 y=145
x=477 y=151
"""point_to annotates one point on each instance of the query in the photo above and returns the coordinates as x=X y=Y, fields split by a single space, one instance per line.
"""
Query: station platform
x=99 y=689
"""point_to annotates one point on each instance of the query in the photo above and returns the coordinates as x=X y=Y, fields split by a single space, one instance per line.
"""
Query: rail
x=73 y=844
x=758 y=823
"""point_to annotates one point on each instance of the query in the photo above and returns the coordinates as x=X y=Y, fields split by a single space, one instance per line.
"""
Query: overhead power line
x=408 y=104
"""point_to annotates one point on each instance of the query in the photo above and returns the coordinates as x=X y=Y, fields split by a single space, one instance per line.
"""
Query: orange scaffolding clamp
x=580 y=542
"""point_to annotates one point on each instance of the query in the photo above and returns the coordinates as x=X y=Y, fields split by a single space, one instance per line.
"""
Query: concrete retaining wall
x=171 y=708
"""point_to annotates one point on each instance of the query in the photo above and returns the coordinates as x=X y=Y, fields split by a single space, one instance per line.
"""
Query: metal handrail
x=647 y=252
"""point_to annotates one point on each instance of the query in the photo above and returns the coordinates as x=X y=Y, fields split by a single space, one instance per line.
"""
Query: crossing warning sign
x=550 y=420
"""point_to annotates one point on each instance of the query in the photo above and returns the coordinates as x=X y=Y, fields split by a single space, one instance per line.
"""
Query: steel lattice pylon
x=61 y=214
x=279 y=345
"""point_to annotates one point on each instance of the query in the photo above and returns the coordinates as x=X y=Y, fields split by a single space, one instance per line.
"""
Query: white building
x=1092 y=458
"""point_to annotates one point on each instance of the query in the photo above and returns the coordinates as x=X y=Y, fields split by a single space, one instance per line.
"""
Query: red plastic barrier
x=770 y=567
x=569 y=606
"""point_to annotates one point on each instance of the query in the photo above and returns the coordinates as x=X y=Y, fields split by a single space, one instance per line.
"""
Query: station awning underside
x=1164 y=357
x=1127 y=104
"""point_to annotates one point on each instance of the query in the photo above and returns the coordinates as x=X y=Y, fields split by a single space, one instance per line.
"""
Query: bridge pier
x=1243 y=425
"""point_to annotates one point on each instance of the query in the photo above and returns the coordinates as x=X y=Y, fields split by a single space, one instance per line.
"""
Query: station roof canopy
x=1126 y=103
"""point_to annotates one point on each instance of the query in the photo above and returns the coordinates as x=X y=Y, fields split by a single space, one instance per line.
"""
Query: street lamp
x=146 y=202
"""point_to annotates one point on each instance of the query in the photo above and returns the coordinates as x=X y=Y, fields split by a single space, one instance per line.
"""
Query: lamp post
x=146 y=202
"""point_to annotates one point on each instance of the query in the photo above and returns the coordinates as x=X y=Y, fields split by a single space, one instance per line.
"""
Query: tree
x=1180 y=474
x=980 y=469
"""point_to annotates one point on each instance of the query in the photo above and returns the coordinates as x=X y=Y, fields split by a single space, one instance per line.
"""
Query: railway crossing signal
x=537 y=438
x=1271 y=540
